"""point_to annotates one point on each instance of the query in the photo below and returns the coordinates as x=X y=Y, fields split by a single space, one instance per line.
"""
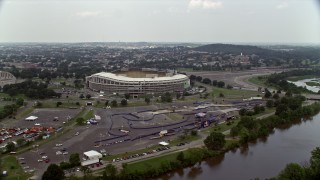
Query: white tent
x=97 y=117
x=163 y=143
x=31 y=118
x=92 y=155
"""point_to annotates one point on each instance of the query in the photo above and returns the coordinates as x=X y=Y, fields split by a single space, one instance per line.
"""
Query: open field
x=11 y=165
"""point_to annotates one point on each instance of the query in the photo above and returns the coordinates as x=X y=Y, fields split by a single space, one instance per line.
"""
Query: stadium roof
x=124 y=78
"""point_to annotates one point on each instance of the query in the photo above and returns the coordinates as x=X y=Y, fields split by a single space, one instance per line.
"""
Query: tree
x=81 y=96
x=74 y=159
x=221 y=95
x=234 y=131
x=111 y=171
x=199 y=78
x=229 y=86
x=58 y=104
x=242 y=112
x=192 y=77
x=276 y=96
x=124 y=102
x=180 y=156
x=106 y=103
x=247 y=122
x=214 y=83
x=53 y=172
x=147 y=100
x=194 y=133
x=288 y=94
x=88 y=96
x=267 y=93
x=126 y=95
x=10 y=147
x=85 y=170
x=215 y=141
x=19 y=101
x=281 y=109
x=269 y=103
x=114 y=103
x=206 y=81
x=292 y=171
x=315 y=163
x=220 y=84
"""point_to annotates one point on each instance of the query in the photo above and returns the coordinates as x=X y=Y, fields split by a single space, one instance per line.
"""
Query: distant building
x=138 y=81
x=6 y=78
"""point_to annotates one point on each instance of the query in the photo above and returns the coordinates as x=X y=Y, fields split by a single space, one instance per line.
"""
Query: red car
x=47 y=160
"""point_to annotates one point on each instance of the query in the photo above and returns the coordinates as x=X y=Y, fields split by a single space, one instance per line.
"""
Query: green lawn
x=313 y=83
x=258 y=80
x=221 y=127
x=152 y=162
x=13 y=168
x=297 y=78
x=172 y=143
x=88 y=114
x=233 y=93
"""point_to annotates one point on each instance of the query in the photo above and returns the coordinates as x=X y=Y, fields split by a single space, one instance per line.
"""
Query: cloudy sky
x=226 y=21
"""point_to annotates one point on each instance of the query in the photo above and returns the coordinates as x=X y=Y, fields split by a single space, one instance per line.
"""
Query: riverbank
x=160 y=165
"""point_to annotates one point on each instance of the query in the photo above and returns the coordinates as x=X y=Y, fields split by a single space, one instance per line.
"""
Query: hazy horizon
x=279 y=22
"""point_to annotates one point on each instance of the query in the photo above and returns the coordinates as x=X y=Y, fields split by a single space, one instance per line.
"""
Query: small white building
x=90 y=155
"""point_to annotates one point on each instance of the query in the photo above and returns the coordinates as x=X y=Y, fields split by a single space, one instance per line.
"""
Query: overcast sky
x=225 y=21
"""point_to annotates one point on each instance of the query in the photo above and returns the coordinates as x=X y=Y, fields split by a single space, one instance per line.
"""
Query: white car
x=40 y=160
x=37 y=124
x=44 y=157
x=65 y=153
x=58 y=152
x=58 y=145
x=77 y=133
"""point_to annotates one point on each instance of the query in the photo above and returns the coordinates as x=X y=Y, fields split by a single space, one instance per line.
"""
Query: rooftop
x=124 y=78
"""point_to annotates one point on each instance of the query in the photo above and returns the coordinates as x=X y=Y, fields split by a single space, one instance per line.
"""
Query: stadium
x=138 y=81
x=6 y=78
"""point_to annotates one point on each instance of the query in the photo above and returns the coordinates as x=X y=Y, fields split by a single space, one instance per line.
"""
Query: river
x=302 y=83
x=263 y=159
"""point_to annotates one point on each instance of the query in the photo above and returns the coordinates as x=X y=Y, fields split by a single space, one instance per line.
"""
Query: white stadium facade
x=138 y=81
x=6 y=78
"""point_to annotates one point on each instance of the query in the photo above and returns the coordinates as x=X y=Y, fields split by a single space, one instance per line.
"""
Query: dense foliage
x=309 y=171
x=279 y=80
x=31 y=89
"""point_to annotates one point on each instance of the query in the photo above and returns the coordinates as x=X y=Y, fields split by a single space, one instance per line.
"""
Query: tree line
x=208 y=81
x=309 y=171
x=280 y=80
x=31 y=89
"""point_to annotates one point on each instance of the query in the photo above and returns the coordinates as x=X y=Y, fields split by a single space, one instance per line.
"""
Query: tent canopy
x=31 y=118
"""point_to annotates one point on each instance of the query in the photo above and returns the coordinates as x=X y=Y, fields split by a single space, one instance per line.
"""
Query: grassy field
x=88 y=114
x=221 y=127
x=313 y=83
x=258 y=80
x=152 y=162
x=172 y=143
x=298 y=78
x=233 y=93
x=13 y=168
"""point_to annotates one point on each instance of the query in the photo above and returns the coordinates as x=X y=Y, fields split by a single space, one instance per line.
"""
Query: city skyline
x=201 y=21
